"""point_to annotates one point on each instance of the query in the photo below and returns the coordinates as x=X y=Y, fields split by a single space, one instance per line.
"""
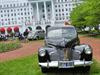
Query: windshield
x=68 y=33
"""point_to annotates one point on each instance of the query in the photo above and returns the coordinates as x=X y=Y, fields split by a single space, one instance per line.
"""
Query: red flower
x=2 y=30
x=9 y=29
x=16 y=29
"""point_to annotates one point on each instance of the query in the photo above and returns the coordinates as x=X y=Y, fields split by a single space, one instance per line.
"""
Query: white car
x=35 y=35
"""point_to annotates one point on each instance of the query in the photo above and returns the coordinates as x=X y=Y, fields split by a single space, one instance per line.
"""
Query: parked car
x=35 y=35
x=63 y=50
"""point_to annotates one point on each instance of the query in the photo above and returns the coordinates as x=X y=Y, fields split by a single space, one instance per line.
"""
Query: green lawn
x=29 y=66
x=23 y=66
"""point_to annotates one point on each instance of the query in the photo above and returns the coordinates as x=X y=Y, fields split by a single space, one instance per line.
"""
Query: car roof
x=55 y=27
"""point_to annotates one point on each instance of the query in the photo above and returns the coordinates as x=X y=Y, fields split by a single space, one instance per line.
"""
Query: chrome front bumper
x=76 y=63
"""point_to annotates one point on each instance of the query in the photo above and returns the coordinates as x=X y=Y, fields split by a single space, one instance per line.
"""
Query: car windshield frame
x=70 y=33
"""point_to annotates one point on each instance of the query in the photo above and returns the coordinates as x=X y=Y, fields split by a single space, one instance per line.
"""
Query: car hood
x=62 y=42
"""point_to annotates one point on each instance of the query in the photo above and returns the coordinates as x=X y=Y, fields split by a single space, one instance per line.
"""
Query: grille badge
x=65 y=54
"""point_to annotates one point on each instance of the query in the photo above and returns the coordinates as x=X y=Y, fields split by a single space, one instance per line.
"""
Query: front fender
x=81 y=49
x=46 y=57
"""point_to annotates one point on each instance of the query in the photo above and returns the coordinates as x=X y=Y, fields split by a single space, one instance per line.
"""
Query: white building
x=34 y=13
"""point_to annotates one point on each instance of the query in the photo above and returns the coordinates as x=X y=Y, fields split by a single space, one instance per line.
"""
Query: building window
x=5 y=14
x=69 y=9
x=66 y=13
x=66 y=9
x=14 y=5
x=22 y=17
x=56 y=14
x=27 y=4
x=17 y=4
x=19 y=18
x=11 y=14
x=55 y=5
x=21 y=13
x=43 y=16
x=1 y=15
x=62 y=9
x=59 y=10
x=24 y=9
x=15 y=14
x=12 y=19
x=0 y=6
x=42 y=6
x=48 y=10
x=25 y=13
x=63 y=18
x=4 y=10
x=7 y=10
x=58 y=5
x=24 y=4
x=10 y=5
x=20 y=4
x=8 y=15
x=4 y=6
x=21 y=9
x=17 y=9
x=7 y=5
x=28 y=13
x=56 y=18
x=5 y=19
x=48 y=5
x=56 y=10
x=11 y=10
x=1 y=11
x=43 y=10
x=18 y=14
x=66 y=5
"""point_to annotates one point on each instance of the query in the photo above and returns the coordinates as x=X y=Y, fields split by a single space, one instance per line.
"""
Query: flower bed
x=5 y=47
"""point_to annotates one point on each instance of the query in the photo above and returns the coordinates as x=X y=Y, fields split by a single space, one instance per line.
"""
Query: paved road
x=31 y=48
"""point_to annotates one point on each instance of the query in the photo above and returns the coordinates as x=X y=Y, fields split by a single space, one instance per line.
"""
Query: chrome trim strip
x=56 y=63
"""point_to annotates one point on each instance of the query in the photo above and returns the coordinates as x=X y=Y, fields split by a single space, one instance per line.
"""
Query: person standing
x=26 y=33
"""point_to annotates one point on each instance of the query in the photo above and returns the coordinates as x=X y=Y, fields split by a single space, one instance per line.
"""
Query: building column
x=38 y=16
x=53 y=12
x=45 y=9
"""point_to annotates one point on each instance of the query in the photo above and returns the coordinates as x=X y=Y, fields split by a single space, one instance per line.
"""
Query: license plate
x=66 y=64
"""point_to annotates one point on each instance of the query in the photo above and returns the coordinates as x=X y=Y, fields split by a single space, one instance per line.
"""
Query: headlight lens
x=42 y=52
x=88 y=51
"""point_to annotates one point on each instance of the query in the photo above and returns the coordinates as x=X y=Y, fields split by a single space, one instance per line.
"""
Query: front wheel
x=44 y=70
x=37 y=38
x=87 y=69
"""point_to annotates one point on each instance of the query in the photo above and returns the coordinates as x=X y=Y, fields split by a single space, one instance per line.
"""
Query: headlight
x=42 y=52
x=88 y=51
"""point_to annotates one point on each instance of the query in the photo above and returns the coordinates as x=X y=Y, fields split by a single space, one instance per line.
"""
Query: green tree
x=88 y=13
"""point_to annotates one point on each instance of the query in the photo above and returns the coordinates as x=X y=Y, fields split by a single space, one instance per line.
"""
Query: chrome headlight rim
x=42 y=52
x=88 y=51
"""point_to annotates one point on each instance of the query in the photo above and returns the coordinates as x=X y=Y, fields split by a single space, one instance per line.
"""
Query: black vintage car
x=63 y=50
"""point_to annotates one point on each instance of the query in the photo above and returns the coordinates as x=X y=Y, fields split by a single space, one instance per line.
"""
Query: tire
x=44 y=70
x=86 y=69
x=37 y=38
x=83 y=69
x=30 y=39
